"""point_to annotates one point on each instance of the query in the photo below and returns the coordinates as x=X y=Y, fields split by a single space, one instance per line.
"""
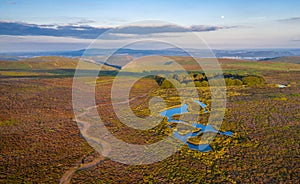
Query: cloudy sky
x=35 y=25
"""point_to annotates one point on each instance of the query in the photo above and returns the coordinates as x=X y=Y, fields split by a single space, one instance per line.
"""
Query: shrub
x=229 y=82
x=167 y=84
x=204 y=84
x=190 y=84
x=233 y=82
x=238 y=82
x=201 y=84
x=253 y=80
x=197 y=84
x=216 y=82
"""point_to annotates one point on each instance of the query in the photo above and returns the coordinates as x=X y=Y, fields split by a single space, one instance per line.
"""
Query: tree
x=199 y=77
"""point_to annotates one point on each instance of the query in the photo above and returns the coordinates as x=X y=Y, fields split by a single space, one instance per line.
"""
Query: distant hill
x=255 y=54
x=116 y=61
x=149 y=63
x=250 y=54
x=100 y=52
x=176 y=63
x=8 y=58
x=286 y=59
x=49 y=63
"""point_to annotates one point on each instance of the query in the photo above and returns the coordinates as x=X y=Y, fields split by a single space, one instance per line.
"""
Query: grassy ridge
x=49 y=62
x=175 y=63
x=41 y=65
x=286 y=59
x=47 y=66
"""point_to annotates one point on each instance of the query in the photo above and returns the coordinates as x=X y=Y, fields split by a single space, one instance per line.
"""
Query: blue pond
x=184 y=109
x=176 y=110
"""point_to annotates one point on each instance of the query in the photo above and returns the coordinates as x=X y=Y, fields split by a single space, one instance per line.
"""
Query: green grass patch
x=7 y=122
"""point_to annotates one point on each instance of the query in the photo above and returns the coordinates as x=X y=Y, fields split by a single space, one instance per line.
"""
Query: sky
x=35 y=25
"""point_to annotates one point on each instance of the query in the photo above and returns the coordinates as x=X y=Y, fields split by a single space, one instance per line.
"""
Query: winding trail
x=67 y=176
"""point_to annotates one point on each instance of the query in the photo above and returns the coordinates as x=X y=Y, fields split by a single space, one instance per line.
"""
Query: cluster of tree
x=253 y=80
x=201 y=80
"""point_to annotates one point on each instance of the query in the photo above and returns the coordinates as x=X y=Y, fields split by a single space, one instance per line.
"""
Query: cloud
x=114 y=36
x=10 y=2
x=83 y=21
x=165 y=29
x=290 y=20
x=88 y=32
x=25 y=29
x=296 y=40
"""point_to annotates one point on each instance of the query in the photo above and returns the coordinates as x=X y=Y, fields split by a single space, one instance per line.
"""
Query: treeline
x=201 y=80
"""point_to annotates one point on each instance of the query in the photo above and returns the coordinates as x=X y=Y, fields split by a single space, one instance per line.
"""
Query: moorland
x=41 y=141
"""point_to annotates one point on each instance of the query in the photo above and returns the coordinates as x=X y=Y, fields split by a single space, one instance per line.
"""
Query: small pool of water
x=176 y=110
x=281 y=86
x=204 y=128
x=183 y=138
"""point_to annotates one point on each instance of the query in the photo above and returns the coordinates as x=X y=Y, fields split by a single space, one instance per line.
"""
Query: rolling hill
x=48 y=66
x=49 y=63
x=62 y=66
x=285 y=59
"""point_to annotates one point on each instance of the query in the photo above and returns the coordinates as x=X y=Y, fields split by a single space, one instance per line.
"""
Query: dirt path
x=67 y=176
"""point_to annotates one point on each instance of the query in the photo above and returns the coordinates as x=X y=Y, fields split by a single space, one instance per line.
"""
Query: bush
x=217 y=82
x=167 y=84
x=200 y=80
x=201 y=84
x=233 y=82
x=238 y=82
x=199 y=77
x=190 y=84
x=253 y=80
x=197 y=84
x=229 y=82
